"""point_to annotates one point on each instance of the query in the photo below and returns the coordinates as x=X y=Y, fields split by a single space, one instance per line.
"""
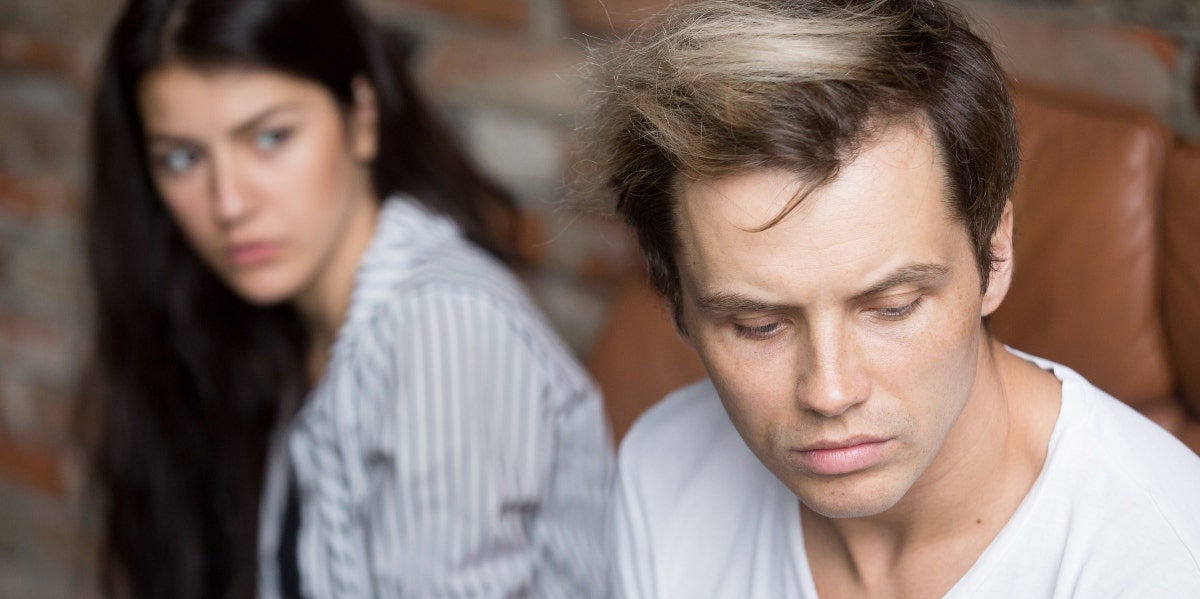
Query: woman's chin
x=262 y=293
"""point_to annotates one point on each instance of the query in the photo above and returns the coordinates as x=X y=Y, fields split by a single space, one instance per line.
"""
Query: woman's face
x=266 y=175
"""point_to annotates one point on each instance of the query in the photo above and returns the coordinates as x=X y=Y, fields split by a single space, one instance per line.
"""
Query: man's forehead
x=773 y=191
x=905 y=143
x=887 y=208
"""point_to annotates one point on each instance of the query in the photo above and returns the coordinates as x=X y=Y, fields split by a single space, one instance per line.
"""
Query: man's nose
x=832 y=379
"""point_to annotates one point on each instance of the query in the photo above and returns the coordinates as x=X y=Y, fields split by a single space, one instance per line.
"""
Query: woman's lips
x=252 y=254
x=830 y=458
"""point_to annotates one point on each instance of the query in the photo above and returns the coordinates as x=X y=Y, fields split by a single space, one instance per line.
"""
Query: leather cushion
x=1085 y=286
x=639 y=357
x=1181 y=269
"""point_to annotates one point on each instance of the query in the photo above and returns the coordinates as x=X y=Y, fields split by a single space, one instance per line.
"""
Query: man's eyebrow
x=732 y=302
x=922 y=273
x=722 y=302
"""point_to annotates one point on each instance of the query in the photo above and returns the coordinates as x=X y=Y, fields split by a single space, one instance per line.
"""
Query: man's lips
x=841 y=456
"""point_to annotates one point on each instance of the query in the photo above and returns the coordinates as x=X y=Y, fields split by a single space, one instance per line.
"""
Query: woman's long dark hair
x=187 y=380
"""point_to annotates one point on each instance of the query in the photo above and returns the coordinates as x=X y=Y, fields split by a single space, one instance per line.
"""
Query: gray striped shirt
x=453 y=447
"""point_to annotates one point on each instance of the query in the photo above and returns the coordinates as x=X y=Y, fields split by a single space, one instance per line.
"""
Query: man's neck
x=928 y=540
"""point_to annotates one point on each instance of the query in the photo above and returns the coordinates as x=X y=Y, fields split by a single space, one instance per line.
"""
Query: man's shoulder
x=1128 y=478
x=692 y=500
x=1105 y=437
x=667 y=421
x=1113 y=438
x=1112 y=512
x=1131 y=460
x=686 y=443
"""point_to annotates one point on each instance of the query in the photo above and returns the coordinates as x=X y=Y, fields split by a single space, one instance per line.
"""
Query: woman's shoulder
x=416 y=252
x=421 y=277
x=413 y=247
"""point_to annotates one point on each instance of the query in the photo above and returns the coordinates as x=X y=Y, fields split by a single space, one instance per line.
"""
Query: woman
x=312 y=376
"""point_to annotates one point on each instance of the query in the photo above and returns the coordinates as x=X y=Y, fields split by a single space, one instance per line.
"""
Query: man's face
x=843 y=341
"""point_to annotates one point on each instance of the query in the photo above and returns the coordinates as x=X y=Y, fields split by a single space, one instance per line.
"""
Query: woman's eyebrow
x=248 y=124
x=252 y=122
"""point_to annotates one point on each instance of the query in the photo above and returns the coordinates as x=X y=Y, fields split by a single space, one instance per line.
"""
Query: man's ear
x=364 y=120
x=1000 y=278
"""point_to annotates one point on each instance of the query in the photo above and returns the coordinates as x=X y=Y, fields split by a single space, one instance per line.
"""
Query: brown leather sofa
x=1107 y=269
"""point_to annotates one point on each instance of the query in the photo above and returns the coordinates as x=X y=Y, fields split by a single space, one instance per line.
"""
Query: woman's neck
x=326 y=302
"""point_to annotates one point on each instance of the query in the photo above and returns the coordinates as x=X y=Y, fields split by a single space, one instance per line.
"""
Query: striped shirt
x=453 y=447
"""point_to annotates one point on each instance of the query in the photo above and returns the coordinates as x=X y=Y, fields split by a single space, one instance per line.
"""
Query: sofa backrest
x=1181 y=280
x=1085 y=290
x=639 y=357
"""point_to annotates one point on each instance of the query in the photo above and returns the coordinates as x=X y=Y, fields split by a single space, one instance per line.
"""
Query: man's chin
x=849 y=501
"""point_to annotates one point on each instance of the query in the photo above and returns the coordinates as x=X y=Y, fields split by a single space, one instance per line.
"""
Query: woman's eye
x=178 y=160
x=271 y=139
x=899 y=312
x=758 y=332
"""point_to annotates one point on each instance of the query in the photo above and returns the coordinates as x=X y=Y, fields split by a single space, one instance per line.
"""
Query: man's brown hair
x=714 y=88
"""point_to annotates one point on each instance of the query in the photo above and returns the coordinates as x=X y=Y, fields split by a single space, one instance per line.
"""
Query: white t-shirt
x=1115 y=511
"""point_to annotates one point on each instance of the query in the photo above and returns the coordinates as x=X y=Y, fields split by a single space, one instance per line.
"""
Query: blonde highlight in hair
x=713 y=88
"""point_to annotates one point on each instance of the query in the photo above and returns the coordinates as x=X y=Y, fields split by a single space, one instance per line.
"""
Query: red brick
x=530 y=234
x=1195 y=101
x=22 y=51
x=1164 y=48
x=539 y=77
x=65 y=543
x=29 y=53
x=31 y=466
x=52 y=412
x=33 y=198
x=32 y=334
x=42 y=127
x=614 y=252
x=496 y=13
x=606 y=17
x=63 y=18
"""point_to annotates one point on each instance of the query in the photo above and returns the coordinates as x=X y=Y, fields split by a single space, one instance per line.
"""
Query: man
x=821 y=193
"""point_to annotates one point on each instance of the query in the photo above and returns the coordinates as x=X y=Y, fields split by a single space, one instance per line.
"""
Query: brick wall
x=46 y=52
x=1144 y=53
x=505 y=73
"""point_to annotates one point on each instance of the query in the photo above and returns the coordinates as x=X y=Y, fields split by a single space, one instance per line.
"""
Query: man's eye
x=270 y=139
x=899 y=312
x=758 y=332
x=177 y=161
